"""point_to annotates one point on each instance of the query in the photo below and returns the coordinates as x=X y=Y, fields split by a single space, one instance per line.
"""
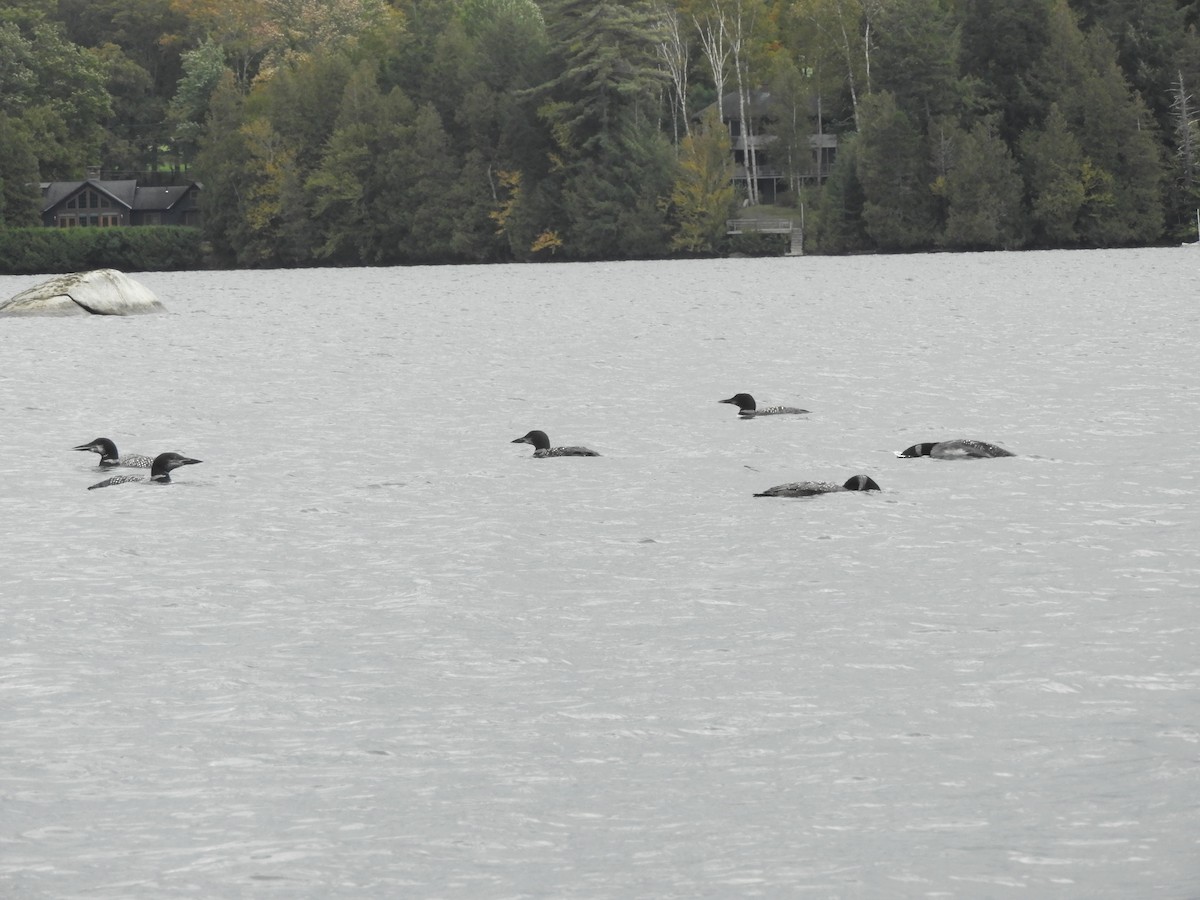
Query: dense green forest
x=342 y=132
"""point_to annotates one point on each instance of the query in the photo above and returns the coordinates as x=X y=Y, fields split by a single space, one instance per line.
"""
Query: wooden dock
x=753 y=225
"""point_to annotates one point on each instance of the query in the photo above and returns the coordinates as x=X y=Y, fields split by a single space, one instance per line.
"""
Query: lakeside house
x=761 y=152
x=99 y=203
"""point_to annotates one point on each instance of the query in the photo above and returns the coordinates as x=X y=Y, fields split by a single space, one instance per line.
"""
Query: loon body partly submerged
x=542 y=448
x=813 y=488
x=160 y=472
x=748 y=408
x=109 y=458
x=957 y=449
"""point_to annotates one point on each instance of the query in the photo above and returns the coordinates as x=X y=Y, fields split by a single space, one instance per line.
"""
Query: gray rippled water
x=370 y=648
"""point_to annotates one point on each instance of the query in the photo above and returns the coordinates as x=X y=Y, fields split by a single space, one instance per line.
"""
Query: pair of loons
x=957 y=449
x=160 y=466
x=745 y=404
x=748 y=409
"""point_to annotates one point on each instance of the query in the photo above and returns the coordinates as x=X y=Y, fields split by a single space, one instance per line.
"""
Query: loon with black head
x=964 y=448
x=542 y=448
x=813 y=488
x=749 y=409
x=109 y=458
x=160 y=472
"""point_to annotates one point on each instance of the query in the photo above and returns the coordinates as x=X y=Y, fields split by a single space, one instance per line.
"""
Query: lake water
x=371 y=649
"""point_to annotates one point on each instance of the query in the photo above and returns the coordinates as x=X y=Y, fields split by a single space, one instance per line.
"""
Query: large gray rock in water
x=102 y=292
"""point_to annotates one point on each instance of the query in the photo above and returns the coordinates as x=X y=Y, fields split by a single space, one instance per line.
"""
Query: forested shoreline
x=369 y=132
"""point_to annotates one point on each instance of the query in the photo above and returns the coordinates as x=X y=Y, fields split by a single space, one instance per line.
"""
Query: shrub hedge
x=51 y=251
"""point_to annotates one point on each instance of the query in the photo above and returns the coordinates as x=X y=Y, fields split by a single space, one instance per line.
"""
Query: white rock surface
x=101 y=292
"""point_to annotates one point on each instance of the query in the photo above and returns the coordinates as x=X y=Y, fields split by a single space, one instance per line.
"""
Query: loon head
x=861 y=483
x=743 y=402
x=916 y=450
x=106 y=448
x=537 y=438
x=165 y=463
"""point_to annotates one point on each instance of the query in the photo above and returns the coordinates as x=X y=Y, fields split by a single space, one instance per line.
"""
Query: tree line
x=401 y=131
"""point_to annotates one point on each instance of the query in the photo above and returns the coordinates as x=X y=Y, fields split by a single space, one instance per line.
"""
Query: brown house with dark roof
x=111 y=204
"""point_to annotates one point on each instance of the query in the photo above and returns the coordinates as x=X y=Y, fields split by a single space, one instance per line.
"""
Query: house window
x=152 y=218
x=88 y=199
x=67 y=222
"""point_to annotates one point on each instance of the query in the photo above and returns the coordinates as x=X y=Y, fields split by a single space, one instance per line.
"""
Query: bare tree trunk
x=674 y=52
x=750 y=153
x=869 y=9
x=1185 y=130
x=850 y=79
x=716 y=51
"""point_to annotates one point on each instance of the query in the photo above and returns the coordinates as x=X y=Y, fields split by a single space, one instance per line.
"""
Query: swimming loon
x=542 y=448
x=748 y=408
x=958 y=449
x=160 y=472
x=110 y=458
x=812 y=488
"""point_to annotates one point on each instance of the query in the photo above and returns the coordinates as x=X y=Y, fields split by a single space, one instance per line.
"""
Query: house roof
x=758 y=106
x=160 y=197
x=125 y=193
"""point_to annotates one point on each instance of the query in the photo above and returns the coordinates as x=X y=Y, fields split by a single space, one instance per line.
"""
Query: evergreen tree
x=615 y=201
x=838 y=225
x=434 y=168
x=340 y=184
x=203 y=69
x=609 y=75
x=490 y=115
x=266 y=177
x=999 y=44
x=19 y=194
x=893 y=171
x=1150 y=41
x=915 y=57
x=304 y=100
x=471 y=199
x=983 y=193
x=220 y=164
x=1053 y=162
x=1079 y=72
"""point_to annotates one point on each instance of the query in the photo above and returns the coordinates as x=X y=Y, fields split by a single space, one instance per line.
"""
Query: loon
x=542 y=448
x=959 y=449
x=109 y=458
x=812 y=488
x=748 y=408
x=160 y=472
